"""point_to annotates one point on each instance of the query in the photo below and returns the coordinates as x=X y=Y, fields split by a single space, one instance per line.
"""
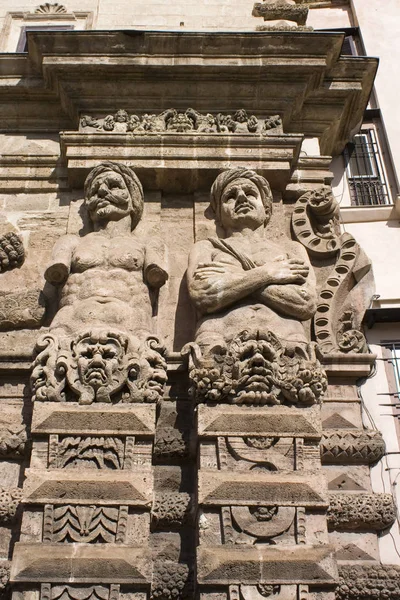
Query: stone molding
x=361 y=512
x=351 y=446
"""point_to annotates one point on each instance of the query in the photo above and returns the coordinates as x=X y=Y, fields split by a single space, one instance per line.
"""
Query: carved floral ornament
x=190 y=121
x=51 y=9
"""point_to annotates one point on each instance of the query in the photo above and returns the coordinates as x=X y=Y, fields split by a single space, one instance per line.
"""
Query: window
x=365 y=170
x=23 y=42
x=391 y=353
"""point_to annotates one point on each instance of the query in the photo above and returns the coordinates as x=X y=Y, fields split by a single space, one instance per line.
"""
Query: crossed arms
x=287 y=285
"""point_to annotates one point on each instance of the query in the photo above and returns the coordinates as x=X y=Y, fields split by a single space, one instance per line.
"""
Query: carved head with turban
x=240 y=197
x=112 y=192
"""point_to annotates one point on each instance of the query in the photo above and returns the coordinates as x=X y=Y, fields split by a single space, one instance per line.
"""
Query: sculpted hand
x=207 y=270
x=286 y=270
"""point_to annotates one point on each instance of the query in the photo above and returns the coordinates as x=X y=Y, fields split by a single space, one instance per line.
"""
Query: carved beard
x=115 y=206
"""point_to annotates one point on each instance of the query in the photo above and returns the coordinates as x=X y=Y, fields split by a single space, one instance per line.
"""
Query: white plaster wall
x=379 y=24
x=385 y=476
x=381 y=241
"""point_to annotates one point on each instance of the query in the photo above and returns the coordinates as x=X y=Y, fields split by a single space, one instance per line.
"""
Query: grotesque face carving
x=108 y=198
x=242 y=206
x=100 y=366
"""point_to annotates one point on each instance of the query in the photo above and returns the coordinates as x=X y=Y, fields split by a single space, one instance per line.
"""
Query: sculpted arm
x=216 y=285
x=298 y=299
x=59 y=268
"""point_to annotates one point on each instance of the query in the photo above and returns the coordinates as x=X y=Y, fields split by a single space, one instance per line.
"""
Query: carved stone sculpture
x=252 y=296
x=100 y=341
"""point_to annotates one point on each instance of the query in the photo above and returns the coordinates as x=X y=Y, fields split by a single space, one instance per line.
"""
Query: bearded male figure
x=252 y=295
x=101 y=345
x=105 y=276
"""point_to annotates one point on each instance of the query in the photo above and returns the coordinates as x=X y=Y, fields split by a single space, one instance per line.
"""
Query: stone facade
x=181 y=317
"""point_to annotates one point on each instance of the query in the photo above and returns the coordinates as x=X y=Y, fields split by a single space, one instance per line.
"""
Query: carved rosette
x=256 y=369
x=98 y=366
x=190 y=121
x=354 y=446
x=361 y=512
x=172 y=510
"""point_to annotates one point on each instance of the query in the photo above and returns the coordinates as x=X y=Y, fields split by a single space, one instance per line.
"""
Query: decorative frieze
x=361 y=512
x=351 y=446
x=174 y=121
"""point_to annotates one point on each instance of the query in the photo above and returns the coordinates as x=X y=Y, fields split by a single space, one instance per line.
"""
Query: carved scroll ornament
x=337 y=319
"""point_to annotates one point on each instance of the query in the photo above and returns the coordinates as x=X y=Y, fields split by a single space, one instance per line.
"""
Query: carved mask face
x=242 y=206
x=108 y=198
x=99 y=363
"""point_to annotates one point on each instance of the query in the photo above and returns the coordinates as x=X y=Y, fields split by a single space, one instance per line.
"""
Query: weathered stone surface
x=361 y=512
x=171 y=581
x=132 y=419
x=82 y=563
x=261 y=488
x=276 y=421
x=300 y=564
x=88 y=487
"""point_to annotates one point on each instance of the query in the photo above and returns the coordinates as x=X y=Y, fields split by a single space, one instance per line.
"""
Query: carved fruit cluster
x=12 y=253
x=361 y=512
x=170 y=581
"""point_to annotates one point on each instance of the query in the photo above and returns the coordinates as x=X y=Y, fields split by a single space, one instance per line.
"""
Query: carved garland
x=369 y=582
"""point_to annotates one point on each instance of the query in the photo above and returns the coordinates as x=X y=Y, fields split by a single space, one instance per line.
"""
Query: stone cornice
x=297 y=76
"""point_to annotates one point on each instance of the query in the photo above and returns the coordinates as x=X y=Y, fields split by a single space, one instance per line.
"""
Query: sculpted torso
x=106 y=275
x=246 y=281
